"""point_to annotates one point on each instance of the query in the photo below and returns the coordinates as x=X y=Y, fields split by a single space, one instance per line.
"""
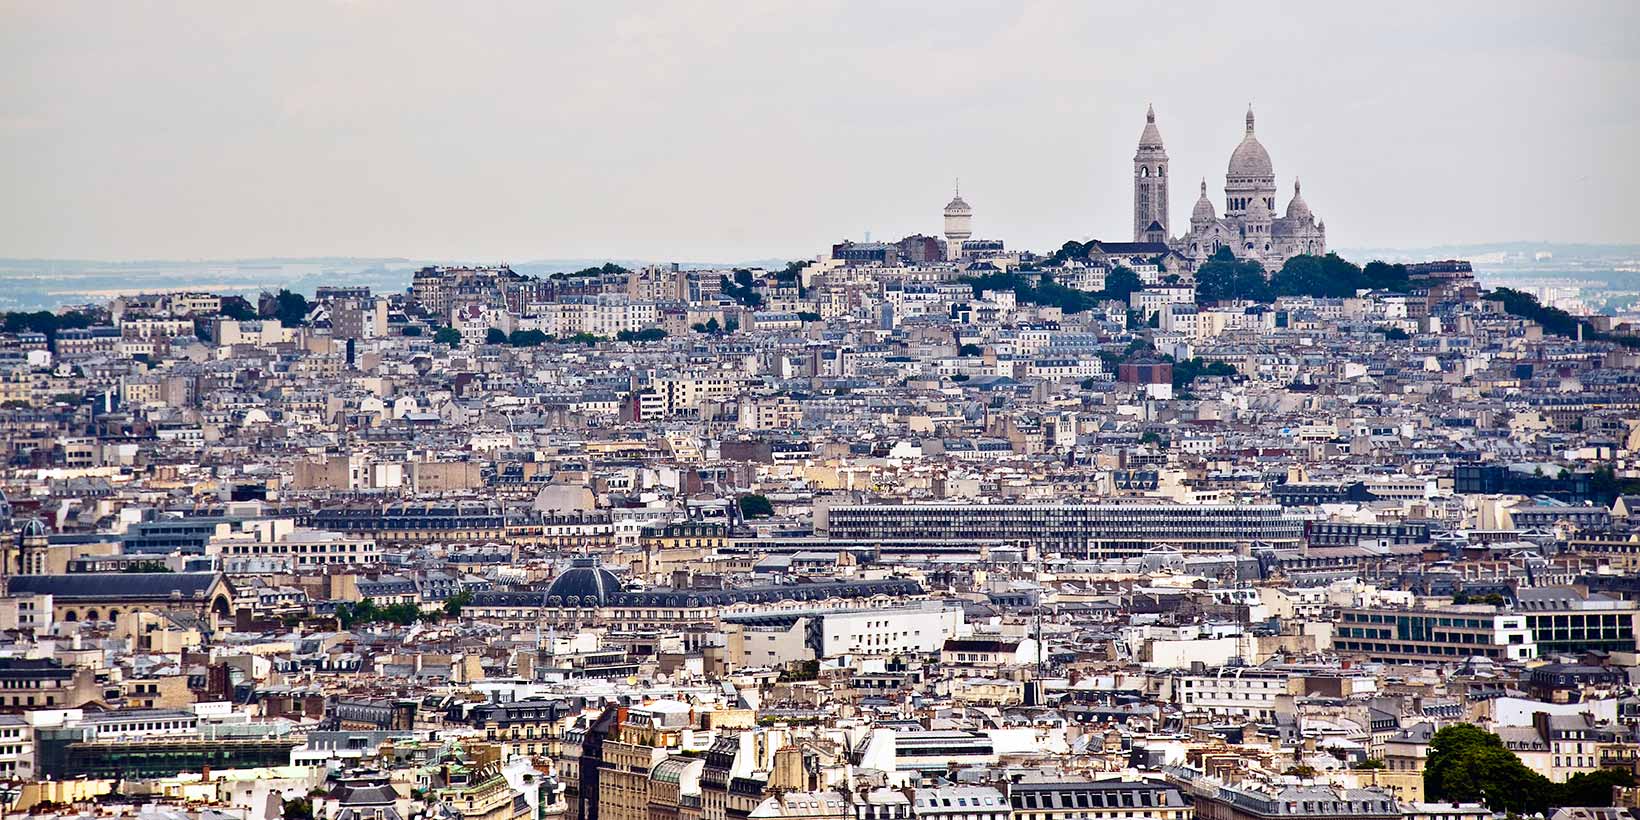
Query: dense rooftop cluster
x=925 y=529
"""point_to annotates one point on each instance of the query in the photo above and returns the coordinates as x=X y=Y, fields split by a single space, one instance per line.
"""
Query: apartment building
x=1077 y=530
x=1453 y=634
x=1562 y=620
x=1098 y=800
x=1234 y=692
x=647 y=736
x=298 y=549
x=960 y=803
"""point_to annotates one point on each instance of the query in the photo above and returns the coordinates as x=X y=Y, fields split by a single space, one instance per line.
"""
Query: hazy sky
x=706 y=131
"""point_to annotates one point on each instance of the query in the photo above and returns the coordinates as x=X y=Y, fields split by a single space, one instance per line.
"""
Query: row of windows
x=1538 y=621
x=1404 y=649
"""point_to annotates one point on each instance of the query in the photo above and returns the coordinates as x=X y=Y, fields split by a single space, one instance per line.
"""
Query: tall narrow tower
x=1150 y=185
x=959 y=225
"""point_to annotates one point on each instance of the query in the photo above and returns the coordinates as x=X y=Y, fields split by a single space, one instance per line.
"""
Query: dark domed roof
x=32 y=528
x=585 y=583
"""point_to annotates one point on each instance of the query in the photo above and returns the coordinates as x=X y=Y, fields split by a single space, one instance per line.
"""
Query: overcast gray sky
x=706 y=131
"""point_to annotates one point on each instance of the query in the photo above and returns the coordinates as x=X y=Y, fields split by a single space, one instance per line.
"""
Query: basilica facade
x=1249 y=227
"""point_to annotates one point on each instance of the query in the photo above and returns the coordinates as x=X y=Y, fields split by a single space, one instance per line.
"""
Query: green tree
x=237 y=307
x=1592 y=788
x=1189 y=370
x=793 y=271
x=454 y=603
x=290 y=308
x=1552 y=319
x=970 y=350
x=607 y=268
x=808 y=316
x=648 y=334
x=447 y=336
x=495 y=336
x=1069 y=251
x=755 y=506
x=297 y=808
x=742 y=288
x=1120 y=283
x=1330 y=276
x=527 y=338
x=1301 y=276
x=46 y=322
x=1469 y=764
x=1382 y=276
x=1223 y=278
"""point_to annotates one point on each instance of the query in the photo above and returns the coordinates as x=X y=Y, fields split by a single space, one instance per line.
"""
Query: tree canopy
x=290 y=308
x=1469 y=764
x=755 y=506
x=528 y=338
x=1553 y=320
x=595 y=270
x=236 y=307
x=1190 y=370
x=742 y=288
x=447 y=336
x=1224 y=278
x=44 y=321
x=1333 y=276
x=648 y=334
x=1118 y=284
x=1121 y=282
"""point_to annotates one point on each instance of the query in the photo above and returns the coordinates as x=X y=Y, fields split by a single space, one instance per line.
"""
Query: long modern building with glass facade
x=1426 y=635
x=1076 y=530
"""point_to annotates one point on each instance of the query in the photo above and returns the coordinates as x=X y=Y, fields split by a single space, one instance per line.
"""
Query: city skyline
x=533 y=133
x=835 y=411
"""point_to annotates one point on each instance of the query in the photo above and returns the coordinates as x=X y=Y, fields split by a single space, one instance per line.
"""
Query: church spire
x=1150 y=183
x=1151 y=138
x=1249 y=118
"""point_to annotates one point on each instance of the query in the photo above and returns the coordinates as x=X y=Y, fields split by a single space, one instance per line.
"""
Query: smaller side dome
x=1297 y=209
x=1203 y=212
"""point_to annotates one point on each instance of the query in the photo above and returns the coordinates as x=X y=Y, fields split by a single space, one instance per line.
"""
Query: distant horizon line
x=1497 y=245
